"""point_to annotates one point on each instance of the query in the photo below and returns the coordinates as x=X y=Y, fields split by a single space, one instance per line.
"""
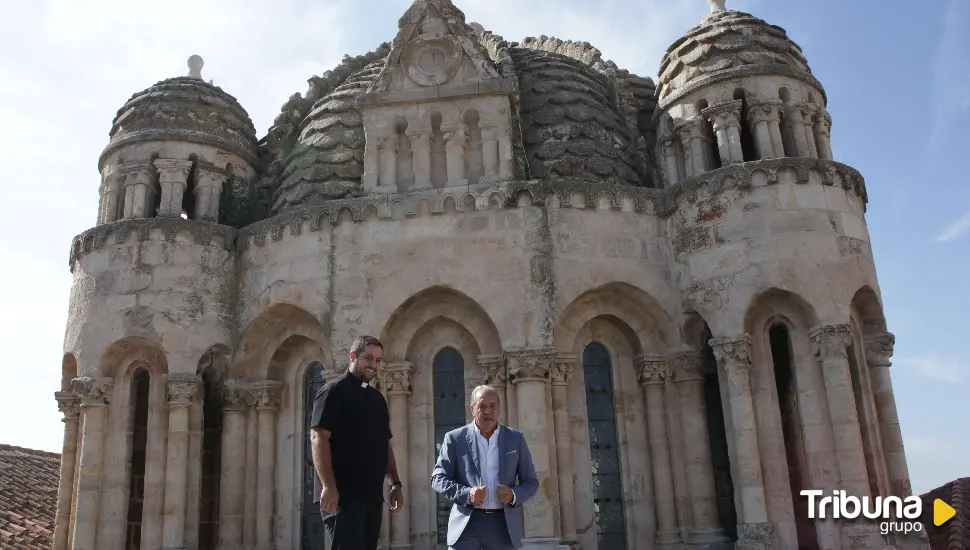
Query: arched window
x=604 y=449
x=138 y=405
x=448 y=373
x=311 y=524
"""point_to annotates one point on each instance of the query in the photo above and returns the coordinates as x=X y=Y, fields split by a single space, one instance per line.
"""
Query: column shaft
x=562 y=370
x=182 y=389
x=421 y=153
x=671 y=161
x=94 y=408
x=68 y=403
x=266 y=487
x=490 y=154
x=652 y=373
x=797 y=126
x=387 y=176
x=823 y=132
x=252 y=465
x=808 y=117
x=774 y=129
x=456 y=140
x=232 y=487
x=879 y=349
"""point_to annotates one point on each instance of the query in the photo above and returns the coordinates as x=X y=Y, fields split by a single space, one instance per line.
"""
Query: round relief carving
x=432 y=62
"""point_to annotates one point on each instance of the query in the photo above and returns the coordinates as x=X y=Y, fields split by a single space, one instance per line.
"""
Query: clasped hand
x=505 y=495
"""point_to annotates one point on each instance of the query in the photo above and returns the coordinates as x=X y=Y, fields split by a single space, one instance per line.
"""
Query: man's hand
x=477 y=495
x=329 y=499
x=505 y=494
x=397 y=498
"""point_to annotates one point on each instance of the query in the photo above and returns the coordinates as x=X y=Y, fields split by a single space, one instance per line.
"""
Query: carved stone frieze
x=732 y=352
x=398 y=378
x=879 y=349
x=181 y=388
x=831 y=341
x=92 y=391
x=69 y=404
x=652 y=369
x=687 y=366
x=562 y=369
x=494 y=371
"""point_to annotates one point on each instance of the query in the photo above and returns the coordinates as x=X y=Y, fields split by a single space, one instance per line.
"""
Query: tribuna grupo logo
x=894 y=514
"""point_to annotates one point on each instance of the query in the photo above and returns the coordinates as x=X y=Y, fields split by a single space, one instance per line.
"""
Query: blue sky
x=897 y=76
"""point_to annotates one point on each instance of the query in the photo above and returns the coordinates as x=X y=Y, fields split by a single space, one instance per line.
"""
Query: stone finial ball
x=195 y=66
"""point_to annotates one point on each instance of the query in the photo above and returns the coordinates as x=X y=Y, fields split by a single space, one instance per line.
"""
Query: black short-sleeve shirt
x=357 y=418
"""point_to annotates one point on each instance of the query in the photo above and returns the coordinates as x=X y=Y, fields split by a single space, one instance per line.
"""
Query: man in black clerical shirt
x=350 y=436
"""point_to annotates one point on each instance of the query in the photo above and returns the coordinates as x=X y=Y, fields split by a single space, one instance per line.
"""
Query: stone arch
x=265 y=335
x=119 y=356
x=68 y=371
x=638 y=309
x=867 y=308
x=777 y=303
x=438 y=301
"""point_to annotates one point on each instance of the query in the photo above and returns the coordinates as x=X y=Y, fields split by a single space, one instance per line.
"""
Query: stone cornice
x=647 y=201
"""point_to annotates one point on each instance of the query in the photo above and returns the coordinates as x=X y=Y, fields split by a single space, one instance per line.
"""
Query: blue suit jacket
x=459 y=469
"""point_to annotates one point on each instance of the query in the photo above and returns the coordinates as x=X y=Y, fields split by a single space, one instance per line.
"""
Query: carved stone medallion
x=432 y=60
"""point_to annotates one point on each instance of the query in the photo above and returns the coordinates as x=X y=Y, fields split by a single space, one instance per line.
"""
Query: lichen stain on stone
x=692 y=239
x=711 y=209
x=749 y=206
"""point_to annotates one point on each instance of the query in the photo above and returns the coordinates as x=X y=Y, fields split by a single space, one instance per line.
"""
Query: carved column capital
x=234 y=396
x=687 y=366
x=732 y=352
x=494 y=371
x=92 y=391
x=398 y=377
x=530 y=364
x=651 y=369
x=764 y=110
x=724 y=115
x=831 y=340
x=182 y=388
x=823 y=122
x=456 y=135
x=69 y=404
x=265 y=394
x=173 y=170
x=562 y=369
x=879 y=348
x=211 y=177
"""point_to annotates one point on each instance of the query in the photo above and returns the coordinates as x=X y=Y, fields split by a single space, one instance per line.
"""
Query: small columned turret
x=173 y=148
x=737 y=89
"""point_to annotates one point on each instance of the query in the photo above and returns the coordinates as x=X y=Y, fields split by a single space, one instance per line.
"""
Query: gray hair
x=480 y=392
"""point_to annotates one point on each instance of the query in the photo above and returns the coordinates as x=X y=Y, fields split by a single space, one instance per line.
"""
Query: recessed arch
x=264 y=336
x=636 y=308
x=867 y=307
x=776 y=302
x=120 y=355
x=68 y=371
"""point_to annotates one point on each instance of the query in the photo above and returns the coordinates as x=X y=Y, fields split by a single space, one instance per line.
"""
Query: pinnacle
x=195 y=66
x=717 y=5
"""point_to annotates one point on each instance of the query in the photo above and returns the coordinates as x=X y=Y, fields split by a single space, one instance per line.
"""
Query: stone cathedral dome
x=185 y=108
x=728 y=44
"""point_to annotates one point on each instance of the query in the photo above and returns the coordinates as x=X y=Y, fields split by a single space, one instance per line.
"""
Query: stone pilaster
x=733 y=355
x=830 y=343
x=208 y=191
x=399 y=387
x=94 y=394
x=726 y=119
x=232 y=486
x=421 y=153
x=456 y=143
x=182 y=389
x=70 y=406
x=560 y=375
x=529 y=371
x=688 y=377
x=265 y=397
x=173 y=176
x=652 y=374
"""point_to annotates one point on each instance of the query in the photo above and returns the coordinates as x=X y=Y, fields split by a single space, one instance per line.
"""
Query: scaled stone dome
x=185 y=108
x=727 y=44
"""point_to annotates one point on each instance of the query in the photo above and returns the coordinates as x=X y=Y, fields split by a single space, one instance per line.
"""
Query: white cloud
x=956 y=229
x=951 y=68
x=932 y=367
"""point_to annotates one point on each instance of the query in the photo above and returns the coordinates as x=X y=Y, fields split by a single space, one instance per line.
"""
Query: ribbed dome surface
x=727 y=44
x=570 y=128
x=327 y=161
x=185 y=108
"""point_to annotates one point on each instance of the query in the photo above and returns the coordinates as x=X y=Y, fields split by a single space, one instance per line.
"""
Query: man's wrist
x=395 y=483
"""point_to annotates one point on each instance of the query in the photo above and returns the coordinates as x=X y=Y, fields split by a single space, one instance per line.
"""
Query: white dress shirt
x=489 y=460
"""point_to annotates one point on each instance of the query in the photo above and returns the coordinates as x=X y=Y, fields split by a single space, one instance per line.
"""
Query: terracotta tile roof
x=954 y=534
x=28 y=498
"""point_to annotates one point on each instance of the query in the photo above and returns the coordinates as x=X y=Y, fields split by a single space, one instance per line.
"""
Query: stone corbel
x=208 y=192
x=93 y=391
x=173 y=178
x=182 y=388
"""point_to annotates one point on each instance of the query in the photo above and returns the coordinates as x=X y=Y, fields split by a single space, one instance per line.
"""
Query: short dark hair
x=362 y=342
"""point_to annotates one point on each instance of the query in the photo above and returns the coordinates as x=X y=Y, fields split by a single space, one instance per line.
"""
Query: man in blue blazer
x=486 y=470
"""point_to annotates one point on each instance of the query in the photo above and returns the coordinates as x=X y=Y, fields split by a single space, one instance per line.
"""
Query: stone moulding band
x=660 y=202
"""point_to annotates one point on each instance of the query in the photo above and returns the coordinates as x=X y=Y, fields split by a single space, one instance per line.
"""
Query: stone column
x=490 y=153
x=830 y=344
x=421 y=153
x=266 y=396
x=808 y=120
x=529 y=372
x=773 y=108
x=182 y=389
x=689 y=379
x=760 y=112
x=562 y=371
x=173 y=176
x=797 y=126
x=494 y=374
x=140 y=189
x=69 y=405
x=113 y=193
x=208 y=191
x=456 y=142
x=94 y=406
x=733 y=356
x=387 y=155
x=693 y=144
x=398 y=380
x=232 y=483
x=823 y=134
x=652 y=374
x=879 y=349
x=726 y=118
x=671 y=160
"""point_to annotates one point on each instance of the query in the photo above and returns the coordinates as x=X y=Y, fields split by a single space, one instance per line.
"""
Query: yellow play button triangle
x=942 y=512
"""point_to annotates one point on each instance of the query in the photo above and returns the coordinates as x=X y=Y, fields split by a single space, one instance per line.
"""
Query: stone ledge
x=203 y=233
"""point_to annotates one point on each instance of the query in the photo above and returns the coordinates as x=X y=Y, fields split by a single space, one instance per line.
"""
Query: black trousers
x=356 y=525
